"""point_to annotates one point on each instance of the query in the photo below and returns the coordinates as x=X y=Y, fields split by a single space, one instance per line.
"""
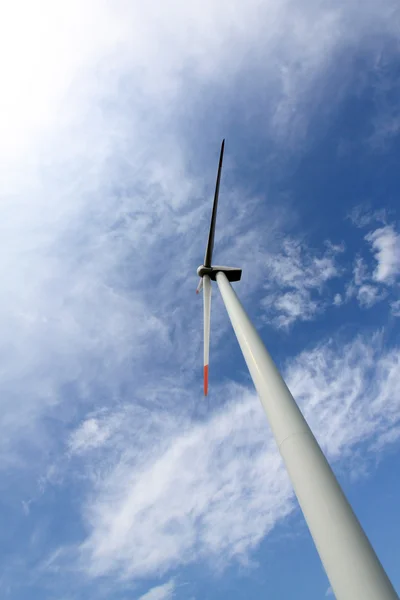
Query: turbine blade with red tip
x=199 y=287
x=207 y=317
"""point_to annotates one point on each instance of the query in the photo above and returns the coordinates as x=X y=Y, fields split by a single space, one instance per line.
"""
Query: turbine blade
x=207 y=318
x=199 y=287
x=210 y=243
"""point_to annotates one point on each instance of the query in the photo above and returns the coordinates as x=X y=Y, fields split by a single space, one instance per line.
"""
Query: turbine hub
x=202 y=270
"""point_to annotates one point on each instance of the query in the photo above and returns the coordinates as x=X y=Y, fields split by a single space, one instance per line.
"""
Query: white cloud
x=161 y=592
x=198 y=498
x=385 y=243
x=386 y=120
x=350 y=392
x=360 y=271
x=89 y=435
x=387 y=438
x=362 y=215
x=215 y=489
x=338 y=300
x=371 y=287
x=368 y=295
x=296 y=276
x=395 y=306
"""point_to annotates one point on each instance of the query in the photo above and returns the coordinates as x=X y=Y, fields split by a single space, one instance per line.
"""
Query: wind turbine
x=350 y=562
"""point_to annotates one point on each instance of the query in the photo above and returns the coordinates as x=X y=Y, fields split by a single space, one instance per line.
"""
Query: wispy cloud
x=216 y=488
x=395 y=306
x=368 y=295
x=160 y=509
x=161 y=592
x=296 y=276
x=89 y=435
x=362 y=215
x=371 y=284
x=349 y=392
x=385 y=243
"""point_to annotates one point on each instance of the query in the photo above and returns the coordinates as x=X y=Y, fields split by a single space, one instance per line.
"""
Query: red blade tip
x=205 y=380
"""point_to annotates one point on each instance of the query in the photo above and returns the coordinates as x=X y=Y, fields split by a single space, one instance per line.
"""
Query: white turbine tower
x=352 y=567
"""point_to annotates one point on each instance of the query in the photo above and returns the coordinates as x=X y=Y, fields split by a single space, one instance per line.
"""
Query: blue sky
x=118 y=479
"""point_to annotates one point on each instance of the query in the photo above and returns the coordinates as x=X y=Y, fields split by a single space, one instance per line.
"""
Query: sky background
x=119 y=481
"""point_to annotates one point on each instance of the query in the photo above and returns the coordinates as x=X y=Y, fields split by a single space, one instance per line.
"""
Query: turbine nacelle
x=232 y=273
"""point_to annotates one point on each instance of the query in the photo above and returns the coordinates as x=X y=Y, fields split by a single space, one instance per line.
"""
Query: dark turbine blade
x=210 y=243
